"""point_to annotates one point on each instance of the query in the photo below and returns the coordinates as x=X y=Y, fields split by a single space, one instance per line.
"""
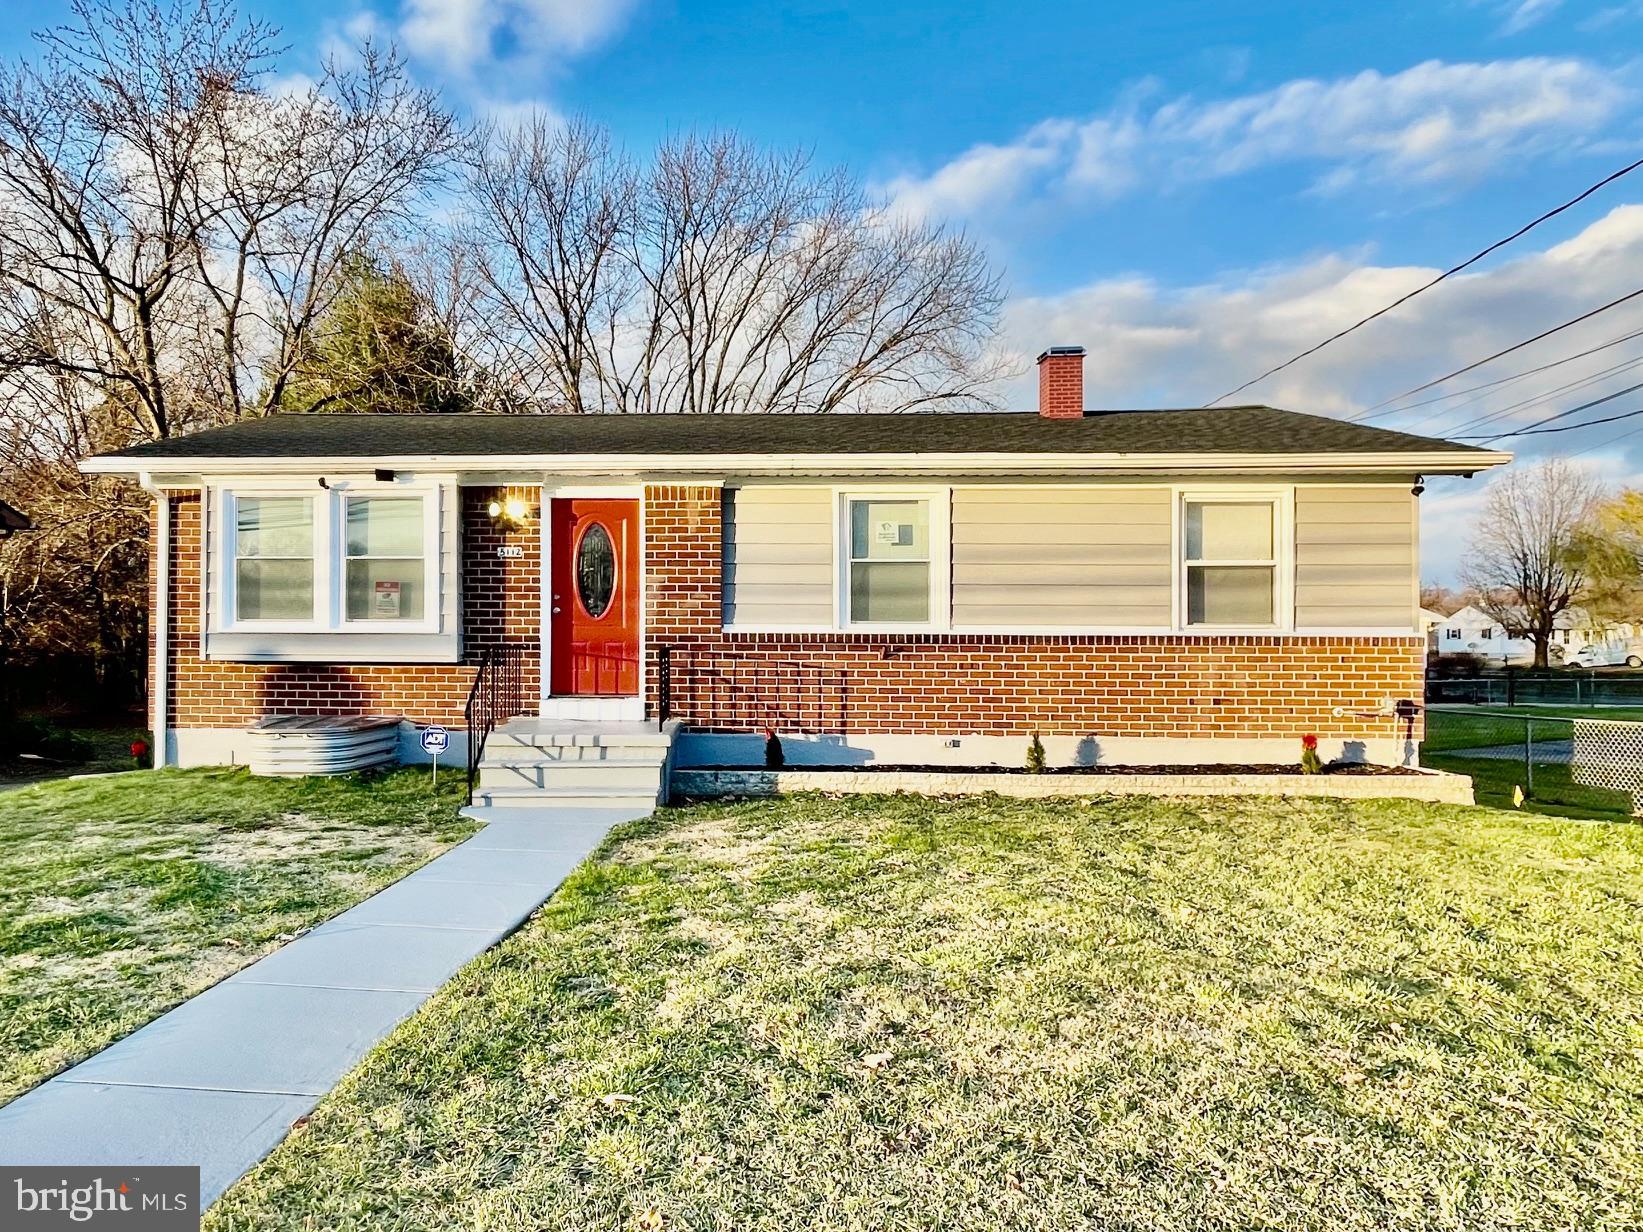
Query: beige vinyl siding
x=1041 y=557
x=778 y=549
x=1355 y=557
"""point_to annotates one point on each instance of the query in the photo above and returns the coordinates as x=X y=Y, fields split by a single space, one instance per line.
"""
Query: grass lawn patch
x=1553 y=793
x=1463 y=727
x=121 y=897
x=893 y=1012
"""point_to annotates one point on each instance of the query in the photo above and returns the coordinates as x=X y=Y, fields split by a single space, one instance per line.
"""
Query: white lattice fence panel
x=1608 y=754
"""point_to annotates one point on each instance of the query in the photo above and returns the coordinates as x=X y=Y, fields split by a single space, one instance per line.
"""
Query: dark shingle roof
x=1233 y=430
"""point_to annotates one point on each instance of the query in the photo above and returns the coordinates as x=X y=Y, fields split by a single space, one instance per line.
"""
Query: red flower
x=139 y=747
x=1309 y=741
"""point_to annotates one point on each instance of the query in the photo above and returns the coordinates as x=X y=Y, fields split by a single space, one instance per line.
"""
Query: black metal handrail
x=497 y=694
x=664 y=686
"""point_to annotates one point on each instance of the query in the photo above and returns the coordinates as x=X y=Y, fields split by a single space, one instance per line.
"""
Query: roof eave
x=1425 y=462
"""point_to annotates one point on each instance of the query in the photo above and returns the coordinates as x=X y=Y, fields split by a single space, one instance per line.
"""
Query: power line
x=1537 y=427
x=1516 y=346
x=1567 y=387
x=1590 y=423
x=1604 y=444
x=1505 y=380
x=1455 y=269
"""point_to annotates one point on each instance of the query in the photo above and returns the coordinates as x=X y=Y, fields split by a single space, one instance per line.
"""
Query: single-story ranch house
x=1192 y=586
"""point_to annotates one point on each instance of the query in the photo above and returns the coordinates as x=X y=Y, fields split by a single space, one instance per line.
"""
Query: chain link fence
x=1576 y=766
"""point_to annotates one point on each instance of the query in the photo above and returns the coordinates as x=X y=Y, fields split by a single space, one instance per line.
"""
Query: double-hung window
x=891 y=573
x=1452 y=635
x=273 y=566
x=1230 y=561
x=345 y=558
x=385 y=570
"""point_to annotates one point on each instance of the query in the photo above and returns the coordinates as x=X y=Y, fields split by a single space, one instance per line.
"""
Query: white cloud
x=1155 y=346
x=471 y=37
x=1522 y=14
x=1432 y=123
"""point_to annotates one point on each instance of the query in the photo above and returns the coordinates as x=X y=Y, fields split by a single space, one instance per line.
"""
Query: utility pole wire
x=1516 y=346
x=1404 y=299
x=1362 y=417
x=1537 y=426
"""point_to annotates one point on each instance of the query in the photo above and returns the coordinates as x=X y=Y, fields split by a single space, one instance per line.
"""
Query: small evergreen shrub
x=774 y=757
x=1035 y=755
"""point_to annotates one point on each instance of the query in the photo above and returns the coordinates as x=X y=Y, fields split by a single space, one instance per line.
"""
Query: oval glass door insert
x=596 y=570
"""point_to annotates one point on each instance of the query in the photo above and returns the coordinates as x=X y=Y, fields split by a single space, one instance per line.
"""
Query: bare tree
x=169 y=226
x=1523 y=563
x=716 y=278
x=172 y=227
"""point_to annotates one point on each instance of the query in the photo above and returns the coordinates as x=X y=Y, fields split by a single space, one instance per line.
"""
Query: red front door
x=594 y=609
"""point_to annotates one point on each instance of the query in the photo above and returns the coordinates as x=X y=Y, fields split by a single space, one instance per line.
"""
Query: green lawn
x=122 y=896
x=984 y=1014
x=1470 y=727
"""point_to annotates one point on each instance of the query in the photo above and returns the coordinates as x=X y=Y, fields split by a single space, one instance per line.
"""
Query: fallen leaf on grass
x=650 y=1218
x=1352 y=1078
x=616 y=1100
x=876 y=1060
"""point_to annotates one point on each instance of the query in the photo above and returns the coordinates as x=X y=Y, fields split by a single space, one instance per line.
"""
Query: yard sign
x=435 y=740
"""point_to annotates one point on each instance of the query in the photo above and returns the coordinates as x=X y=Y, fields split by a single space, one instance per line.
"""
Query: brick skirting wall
x=1164 y=685
x=500 y=602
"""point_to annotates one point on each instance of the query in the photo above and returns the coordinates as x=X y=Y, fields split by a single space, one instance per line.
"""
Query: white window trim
x=230 y=522
x=940 y=501
x=429 y=623
x=330 y=560
x=1282 y=500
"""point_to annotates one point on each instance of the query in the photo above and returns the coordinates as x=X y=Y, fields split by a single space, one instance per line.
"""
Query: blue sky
x=1191 y=190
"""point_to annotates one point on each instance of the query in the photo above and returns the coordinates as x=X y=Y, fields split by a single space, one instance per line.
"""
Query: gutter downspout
x=160 y=700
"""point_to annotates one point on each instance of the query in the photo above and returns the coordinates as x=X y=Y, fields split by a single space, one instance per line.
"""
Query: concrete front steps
x=565 y=763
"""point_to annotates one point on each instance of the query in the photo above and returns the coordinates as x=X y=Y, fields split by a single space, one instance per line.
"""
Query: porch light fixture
x=509 y=514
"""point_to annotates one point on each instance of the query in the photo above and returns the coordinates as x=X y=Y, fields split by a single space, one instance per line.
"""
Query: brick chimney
x=1061 y=383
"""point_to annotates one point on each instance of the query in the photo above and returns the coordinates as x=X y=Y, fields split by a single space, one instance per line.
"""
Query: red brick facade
x=991 y=684
x=501 y=606
x=1131 y=685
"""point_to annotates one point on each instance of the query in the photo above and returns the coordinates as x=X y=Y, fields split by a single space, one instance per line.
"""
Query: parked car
x=1608 y=654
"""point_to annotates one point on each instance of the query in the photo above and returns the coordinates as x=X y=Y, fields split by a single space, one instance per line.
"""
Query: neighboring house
x=1473 y=631
x=1138 y=586
x=1429 y=620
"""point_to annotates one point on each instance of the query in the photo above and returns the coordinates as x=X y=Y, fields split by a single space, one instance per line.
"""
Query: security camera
x=1420 y=485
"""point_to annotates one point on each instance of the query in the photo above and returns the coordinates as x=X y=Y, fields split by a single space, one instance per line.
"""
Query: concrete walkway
x=218 y=1081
